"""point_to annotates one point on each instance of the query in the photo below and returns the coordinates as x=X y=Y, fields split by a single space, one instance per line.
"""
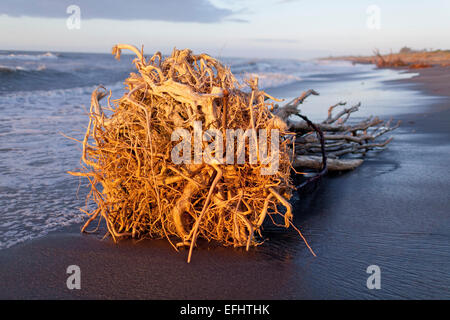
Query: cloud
x=239 y=20
x=281 y=40
x=201 y=11
x=286 y=1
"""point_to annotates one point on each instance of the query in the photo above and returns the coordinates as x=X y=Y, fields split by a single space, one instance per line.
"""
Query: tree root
x=141 y=193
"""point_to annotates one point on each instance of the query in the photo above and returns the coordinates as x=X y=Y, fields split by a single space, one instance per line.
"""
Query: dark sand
x=393 y=212
x=435 y=81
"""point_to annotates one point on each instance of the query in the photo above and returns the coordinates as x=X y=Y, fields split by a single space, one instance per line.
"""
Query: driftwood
x=340 y=137
x=128 y=156
x=139 y=190
x=315 y=162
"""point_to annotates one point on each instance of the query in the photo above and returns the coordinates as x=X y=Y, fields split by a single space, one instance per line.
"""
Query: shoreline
x=432 y=81
x=404 y=59
x=390 y=212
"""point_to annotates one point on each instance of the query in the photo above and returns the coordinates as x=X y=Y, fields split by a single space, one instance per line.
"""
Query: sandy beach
x=391 y=212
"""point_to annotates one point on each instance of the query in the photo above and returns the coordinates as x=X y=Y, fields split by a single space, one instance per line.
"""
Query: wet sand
x=392 y=212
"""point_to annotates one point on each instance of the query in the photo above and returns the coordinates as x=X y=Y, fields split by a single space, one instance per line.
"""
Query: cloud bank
x=200 y=11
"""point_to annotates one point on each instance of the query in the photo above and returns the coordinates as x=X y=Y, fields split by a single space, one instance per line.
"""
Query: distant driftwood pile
x=141 y=192
x=397 y=61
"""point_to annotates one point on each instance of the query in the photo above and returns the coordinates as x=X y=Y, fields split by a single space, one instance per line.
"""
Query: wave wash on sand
x=141 y=193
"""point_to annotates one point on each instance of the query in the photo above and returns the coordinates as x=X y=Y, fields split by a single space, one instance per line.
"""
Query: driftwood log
x=340 y=137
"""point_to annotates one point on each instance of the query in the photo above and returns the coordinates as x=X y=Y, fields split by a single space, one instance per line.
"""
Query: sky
x=227 y=28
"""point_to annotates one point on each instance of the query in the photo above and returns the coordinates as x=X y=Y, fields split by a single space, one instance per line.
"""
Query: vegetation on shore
x=405 y=58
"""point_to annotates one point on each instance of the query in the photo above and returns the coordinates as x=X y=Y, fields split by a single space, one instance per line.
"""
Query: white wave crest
x=271 y=79
x=33 y=57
